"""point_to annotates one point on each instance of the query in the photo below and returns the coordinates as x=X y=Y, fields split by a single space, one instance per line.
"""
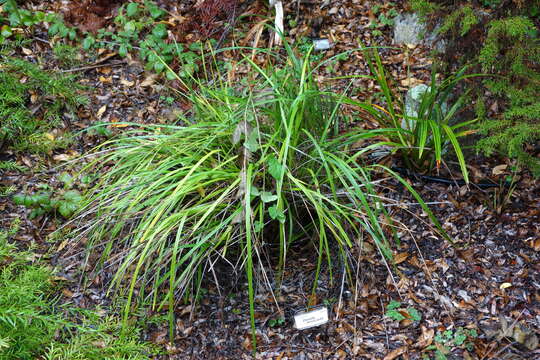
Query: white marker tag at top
x=306 y=320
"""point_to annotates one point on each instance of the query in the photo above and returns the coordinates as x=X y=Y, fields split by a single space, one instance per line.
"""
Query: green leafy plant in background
x=12 y=16
x=139 y=29
x=461 y=21
x=263 y=165
x=384 y=18
x=34 y=325
x=54 y=94
x=277 y=322
x=423 y=137
x=8 y=165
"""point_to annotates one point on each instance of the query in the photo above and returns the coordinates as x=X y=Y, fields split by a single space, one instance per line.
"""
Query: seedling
x=395 y=312
x=446 y=340
x=276 y=322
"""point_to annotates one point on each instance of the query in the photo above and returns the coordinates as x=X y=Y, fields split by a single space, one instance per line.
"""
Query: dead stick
x=90 y=67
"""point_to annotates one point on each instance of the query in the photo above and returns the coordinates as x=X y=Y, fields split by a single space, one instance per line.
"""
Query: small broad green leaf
x=14 y=19
x=67 y=208
x=39 y=16
x=86 y=179
x=155 y=12
x=160 y=31
x=72 y=196
x=414 y=314
x=43 y=198
x=171 y=75
x=255 y=191
x=459 y=338
x=252 y=142
x=36 y=213
x=65 y=178
x=29 y=201
x=130 y=26
x=88 y=42
x=6 y=31
x=159 y=66
x=258 y=226
x=132 y=9
x=195 y=46
x=395 y=315
x=276 y=214
x=50 y=17
x=18 y=199
x=267 y=196
x=393 y=305
x=54 y=29
x=27 y=20
x=122 y=50
x=275 y=168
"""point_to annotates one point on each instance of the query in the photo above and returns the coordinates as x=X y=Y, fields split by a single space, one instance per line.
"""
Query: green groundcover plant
x=34 y=325
x=32 y=102
x=253 y=165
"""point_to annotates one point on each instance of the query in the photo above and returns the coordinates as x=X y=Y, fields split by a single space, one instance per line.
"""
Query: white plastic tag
x=306 y=320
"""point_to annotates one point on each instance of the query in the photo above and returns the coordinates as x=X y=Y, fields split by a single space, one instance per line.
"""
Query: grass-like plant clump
x=254 y=166
x=424 y=135
x=34 y=325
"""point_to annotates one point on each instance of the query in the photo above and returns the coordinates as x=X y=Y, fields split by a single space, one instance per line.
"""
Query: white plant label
x=306 y=320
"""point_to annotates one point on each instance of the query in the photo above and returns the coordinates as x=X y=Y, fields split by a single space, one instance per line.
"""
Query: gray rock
x=408 y=29
x=321 y=44
x=412 y=104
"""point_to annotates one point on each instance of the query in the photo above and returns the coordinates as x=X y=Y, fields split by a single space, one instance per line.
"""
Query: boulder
x=409 y=29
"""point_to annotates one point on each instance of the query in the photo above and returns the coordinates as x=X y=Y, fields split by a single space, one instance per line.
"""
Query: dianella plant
x=425 y=126
x=253 y=165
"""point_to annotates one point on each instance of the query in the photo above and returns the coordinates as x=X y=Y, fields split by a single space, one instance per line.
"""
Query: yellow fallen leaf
x=505 y=285
x=49 y=136
x=499 y=169
x=101 y=111
x=62 y=157
x=127 y=82
x=150 y=80
x=401 y=257
x=117 y=124
x=105 y=80
x=410 y=82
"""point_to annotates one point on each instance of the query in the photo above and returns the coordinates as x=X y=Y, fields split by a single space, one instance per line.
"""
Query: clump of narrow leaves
x=251 y=166
x=423 y=137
